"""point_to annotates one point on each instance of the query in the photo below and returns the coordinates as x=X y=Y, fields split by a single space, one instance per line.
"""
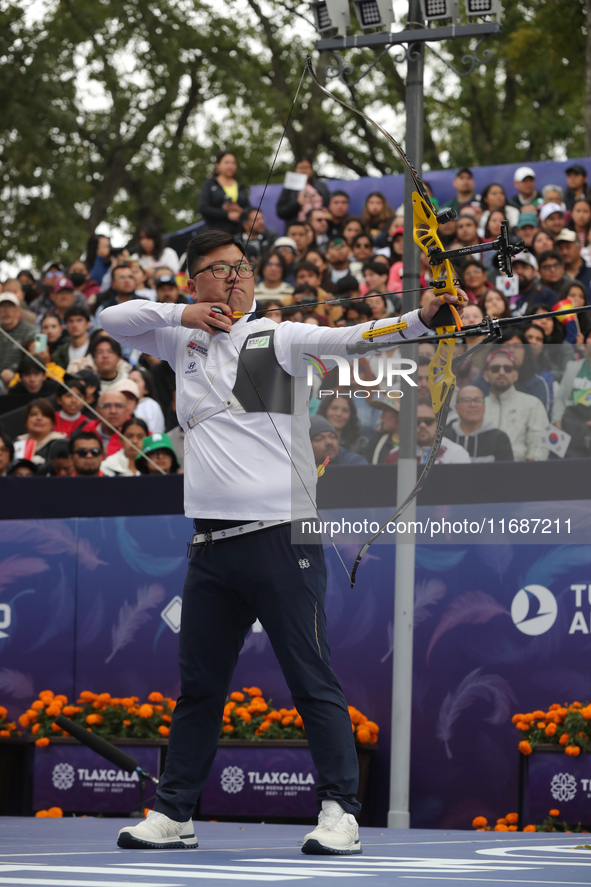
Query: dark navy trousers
x=228 y=585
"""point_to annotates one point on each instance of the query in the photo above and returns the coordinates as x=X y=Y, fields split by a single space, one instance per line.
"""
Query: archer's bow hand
x=429 y=310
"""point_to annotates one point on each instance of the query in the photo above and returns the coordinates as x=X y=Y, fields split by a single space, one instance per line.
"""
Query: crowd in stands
x=75 y=402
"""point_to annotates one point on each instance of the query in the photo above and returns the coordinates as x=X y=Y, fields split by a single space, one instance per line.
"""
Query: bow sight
x=505 y=249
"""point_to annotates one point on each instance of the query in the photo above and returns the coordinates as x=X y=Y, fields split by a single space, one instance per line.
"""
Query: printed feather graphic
x=15 y=683
x=426 y=594
x=432 y=559
x=131 y=617
x=92 y=623
x=475 y=685
x=50 y=537
x=558 y=561
x=15 y=566
x=62 y=612
x=141 y=561
x=474 y=607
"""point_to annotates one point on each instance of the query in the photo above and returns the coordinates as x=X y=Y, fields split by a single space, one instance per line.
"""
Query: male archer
x=241 y=398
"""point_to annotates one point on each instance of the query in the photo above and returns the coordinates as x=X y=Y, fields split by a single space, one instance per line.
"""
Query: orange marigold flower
x=166 y=718
x=554 y=706
x=32 y=715
x=24 y=721
x=538 y=714
x=55 y=812
x=564 y=739
x=229 y=707
x=43 y=741
x=35 y=729
x=573 y=750
x=374 y=738
x=56 y=729
x=228 y=728
x=479 y=822
x=371 y=726
x=61 y=698
x=501 y=827
x=156 y=697
x=550 y=730
x=146 y=711
x=523 y=725
x=525 y=747
x=252 y=691
x=516 y=718
x=541 y=725
x=512 y=828
x=238 y=697
x=46 y=694
x=529 y=828
x=576 y=705
x=511 y=818
x=286 y=721
x=127 y=723
x=266 y=725
x=4 y=732
x=554 y=812
x=158 y=708
x=164 y=731
x=586 y=712
x=41 y=814
x=245 y=715
x=94 y=719
x=86 y=696
x=69 y=710
x=298 y=722
x=501 y=821
x=52 y=711
x=363 y=735
x=171 y=704
x=36 y=706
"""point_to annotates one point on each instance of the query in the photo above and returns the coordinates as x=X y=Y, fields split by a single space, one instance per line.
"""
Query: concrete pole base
x=398 y=819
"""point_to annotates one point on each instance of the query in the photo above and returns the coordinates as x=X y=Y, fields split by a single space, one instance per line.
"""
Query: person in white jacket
x=242 y=400
x=521 y=416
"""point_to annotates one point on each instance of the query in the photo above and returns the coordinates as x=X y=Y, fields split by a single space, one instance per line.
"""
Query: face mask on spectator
x=77 y=278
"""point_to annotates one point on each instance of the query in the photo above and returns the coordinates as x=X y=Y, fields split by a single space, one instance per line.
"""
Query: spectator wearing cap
x=317 y=220
x=32 y=381
x=108 y=361
x=6 y=453
x=465 y=190
x=39 y=422
x=17 y=329
x=552 y=218
x=476 y=282
x=13 y=285
x=524 y=179
x=148 y=407
x=167 y=291
x=255 y=238
x=130 y=391
x=528 y=224
x=294 y=205
x=338 y=210
x=122 y=463
x=223 y=197
x=338 y=254
x=87 y=453
x=521 y=416
x=576 y=182
x=287 y=247
x=58 y=299
x=160 y=450
x=273 y=284
x=77 y=320
x=494 y=198
x=384 y=438
x=450 y=453
x=49 y=274
x=70 y=417
x=22 y=468
x=552 y=271
x=531 y=291
x=309 y=274
x=114 y=408
x=483 y=440
x=325 y=445
x=569 y=248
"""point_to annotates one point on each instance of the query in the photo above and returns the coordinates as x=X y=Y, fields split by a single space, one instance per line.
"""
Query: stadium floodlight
x=332 y=17
x=438 y=10
x=372 y=14
x=479 y=8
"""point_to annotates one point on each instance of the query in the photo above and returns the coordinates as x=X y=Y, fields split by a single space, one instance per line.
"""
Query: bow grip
x=444 y=317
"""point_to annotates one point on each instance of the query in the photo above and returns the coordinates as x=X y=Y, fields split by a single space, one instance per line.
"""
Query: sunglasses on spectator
x=428 y=421
x=91 y=451
x=501 y=367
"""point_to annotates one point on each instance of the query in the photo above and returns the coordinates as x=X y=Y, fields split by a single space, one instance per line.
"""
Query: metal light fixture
x=439 y=10
x=372 y=14
x=480 y=8
x=332 y=17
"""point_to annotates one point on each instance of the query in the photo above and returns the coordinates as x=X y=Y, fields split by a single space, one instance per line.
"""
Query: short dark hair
x=84 y=435
x=474 y=263
x=305 y=288
x=104 y=338
x=274 y=255
x=135 y=420
x=346 y=284
x=76 y=311
x=7 y=441
x=27 y=366
x=204 y=242
x=550 y=254
x=377 y=268
x=360 y=306
x=359 y=236
x=244 y=215
x=308 y=266
x=296 y=225
x=338 y=193
x=42 y=404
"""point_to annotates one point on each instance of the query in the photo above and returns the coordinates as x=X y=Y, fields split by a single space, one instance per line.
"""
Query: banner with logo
x=499 y=628
x=261 y=782
x=78 y=780
x=558 y=781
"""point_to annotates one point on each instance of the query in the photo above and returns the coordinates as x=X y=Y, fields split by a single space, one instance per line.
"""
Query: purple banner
x=78 y=780
x=557 y=781
x=261 y=782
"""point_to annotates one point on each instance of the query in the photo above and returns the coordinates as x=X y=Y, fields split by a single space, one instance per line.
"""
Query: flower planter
x=550 y=779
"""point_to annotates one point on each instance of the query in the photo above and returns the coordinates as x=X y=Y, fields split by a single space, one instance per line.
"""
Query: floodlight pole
x=416 y=38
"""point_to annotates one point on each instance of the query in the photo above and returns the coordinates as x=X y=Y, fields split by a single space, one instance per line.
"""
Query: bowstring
x=283 y=443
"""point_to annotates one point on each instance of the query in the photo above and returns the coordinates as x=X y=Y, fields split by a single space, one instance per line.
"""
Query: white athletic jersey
x=236 y=464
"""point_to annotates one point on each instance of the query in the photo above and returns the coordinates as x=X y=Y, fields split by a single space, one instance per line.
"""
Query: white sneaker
x=158 y=832
x=337 y=832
